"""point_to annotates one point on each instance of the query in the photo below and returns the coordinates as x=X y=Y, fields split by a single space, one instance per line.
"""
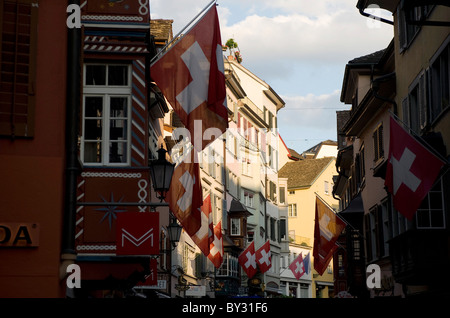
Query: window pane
x=117 y=152
x=93 y=106
x=93 y=152
x=95 y=74
x=92 y=129
x=437 y=218
x=118 y=75
x=423 y=219
x=435 y=200
x=119 y=107
x=118 y=129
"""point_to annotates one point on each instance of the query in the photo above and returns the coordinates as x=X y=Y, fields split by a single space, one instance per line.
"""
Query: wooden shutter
x=18 y=32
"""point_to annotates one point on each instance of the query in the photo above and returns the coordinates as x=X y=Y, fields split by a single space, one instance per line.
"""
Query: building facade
x=306 y=179
x=33 y=77
x=408 y=80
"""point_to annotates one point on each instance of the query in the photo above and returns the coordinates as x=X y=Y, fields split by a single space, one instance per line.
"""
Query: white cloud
x=307 y=120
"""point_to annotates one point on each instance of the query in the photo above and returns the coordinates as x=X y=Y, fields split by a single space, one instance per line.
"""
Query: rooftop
x=303 y=173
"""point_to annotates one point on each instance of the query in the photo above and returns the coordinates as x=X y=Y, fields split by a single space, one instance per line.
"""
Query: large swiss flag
x=191 y=76
x=411 y=170
x=327 y=228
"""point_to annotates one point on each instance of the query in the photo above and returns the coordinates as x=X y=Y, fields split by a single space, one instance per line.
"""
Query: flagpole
x=175 y=38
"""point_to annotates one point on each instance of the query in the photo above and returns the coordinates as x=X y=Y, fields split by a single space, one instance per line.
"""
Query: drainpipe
x=361 y=11
x=68 y=253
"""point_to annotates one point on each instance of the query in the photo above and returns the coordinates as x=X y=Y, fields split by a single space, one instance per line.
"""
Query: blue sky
x=299 y=47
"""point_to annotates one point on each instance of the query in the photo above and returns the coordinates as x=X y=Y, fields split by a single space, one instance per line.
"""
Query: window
x=106 y=115
x=378 y=146
x=235 y=226
x=229 y=267
x=326 y=187
x=431 y=212
x=188 y=259
x=273 y=233
x=408 y=30
x=282 y=195
x=439 y=81
x=18 y=33
x=248 y=199
x=292 y=210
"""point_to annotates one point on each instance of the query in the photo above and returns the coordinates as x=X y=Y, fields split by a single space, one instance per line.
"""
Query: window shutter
x=18 y=33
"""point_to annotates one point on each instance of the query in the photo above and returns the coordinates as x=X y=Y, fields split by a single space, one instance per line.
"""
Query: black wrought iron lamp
x=161 y=171
x=174 y=230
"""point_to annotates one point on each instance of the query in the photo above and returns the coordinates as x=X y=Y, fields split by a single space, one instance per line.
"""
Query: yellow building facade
x=306 y=179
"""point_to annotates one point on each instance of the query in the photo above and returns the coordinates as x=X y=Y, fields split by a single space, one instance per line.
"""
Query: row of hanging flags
x=191 y=76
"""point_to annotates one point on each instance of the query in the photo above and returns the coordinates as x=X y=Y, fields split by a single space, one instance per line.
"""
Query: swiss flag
x=264 y=257
x=191 y=76
x=328 y=227
x=185 y=194
x=411 y=170
x=216 y=247
x=298 y=267
x=247 y=260
x=205 y=235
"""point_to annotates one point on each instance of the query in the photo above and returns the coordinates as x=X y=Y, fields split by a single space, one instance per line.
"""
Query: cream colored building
x=306 y=179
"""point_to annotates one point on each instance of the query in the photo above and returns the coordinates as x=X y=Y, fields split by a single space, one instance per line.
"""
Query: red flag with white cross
x=247 y=260
x=264 y=257
x=411 y=170
x=205 y=235
x=191 y=76
x=298 y=267
x=216 y=247
x=327 y=228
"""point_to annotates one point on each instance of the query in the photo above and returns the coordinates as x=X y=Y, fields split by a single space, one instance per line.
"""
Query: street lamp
x=161 y=171
x=174 y=232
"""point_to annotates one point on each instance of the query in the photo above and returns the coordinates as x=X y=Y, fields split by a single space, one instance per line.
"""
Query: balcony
x=251 y=110
x=420 y=257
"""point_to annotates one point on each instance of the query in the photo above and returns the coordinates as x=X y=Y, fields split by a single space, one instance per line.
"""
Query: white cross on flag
x=411 y=170
x=216 y=247
x=191 y=76
x=185 y=193
x=264 y=257
x=298 y=267
x=247 y=260
x=327 y=228
x=205 y=235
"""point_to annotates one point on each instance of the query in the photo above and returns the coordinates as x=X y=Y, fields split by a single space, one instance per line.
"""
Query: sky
x=298 y=47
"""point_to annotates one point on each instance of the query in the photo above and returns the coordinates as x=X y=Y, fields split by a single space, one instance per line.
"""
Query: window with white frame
x=292 y=210
x=248 y=199
x=106 y=115
x=431 y=213
x=235 y=226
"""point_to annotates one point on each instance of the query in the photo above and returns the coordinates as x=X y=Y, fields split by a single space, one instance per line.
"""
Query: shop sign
x=137 y=233
x=19 y=234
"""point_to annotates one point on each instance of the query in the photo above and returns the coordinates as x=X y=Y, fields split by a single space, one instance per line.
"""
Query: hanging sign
x=137 y=233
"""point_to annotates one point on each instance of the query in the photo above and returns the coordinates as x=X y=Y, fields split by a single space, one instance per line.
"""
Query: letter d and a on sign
x=374 y=279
